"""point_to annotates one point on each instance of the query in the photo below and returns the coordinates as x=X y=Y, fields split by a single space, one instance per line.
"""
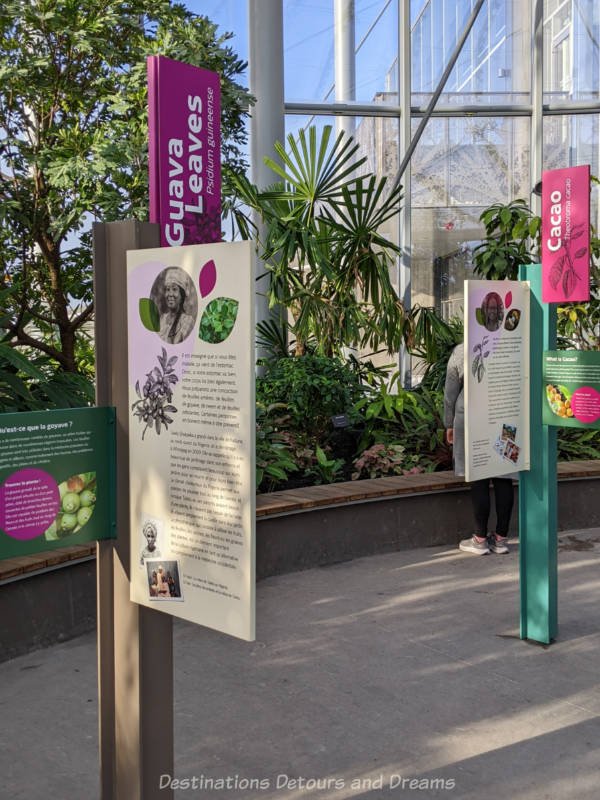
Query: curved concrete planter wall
x=51 y=597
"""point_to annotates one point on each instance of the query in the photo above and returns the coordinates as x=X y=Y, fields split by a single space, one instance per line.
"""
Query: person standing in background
x=482 y=542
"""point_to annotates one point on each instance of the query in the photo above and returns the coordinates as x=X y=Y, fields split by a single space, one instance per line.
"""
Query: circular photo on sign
x=174 y=295
x=492 y=311
x=512 y=319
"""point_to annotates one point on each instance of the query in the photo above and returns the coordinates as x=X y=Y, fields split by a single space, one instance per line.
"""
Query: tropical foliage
x=320 y=239
x=73 y=149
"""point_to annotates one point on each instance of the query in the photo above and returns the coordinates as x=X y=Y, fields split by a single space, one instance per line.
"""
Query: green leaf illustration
x=218 y=320
x=479 y=316
x=149 y=314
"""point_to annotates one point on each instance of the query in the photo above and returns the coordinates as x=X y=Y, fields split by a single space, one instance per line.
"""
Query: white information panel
x=496 y=378
x=191 y=433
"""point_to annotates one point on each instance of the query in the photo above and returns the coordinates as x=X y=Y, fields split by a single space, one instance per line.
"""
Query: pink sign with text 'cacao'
x=184 y=141
x=566 y=235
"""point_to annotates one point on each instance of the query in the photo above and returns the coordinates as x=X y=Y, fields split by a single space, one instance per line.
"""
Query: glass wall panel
x=571 y=59
x=574 y=140
x=309 y=49
x=494 y=64
x=461 y=166
x=376 y=51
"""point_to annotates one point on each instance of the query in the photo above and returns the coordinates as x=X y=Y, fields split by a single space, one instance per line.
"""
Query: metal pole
x=537 y=88
x=267 y=121
x=437 y=93
x=405 y=239
x=345 y=71
x=135 y=687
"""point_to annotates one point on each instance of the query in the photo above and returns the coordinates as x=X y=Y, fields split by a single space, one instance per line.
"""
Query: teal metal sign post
x=537 y=487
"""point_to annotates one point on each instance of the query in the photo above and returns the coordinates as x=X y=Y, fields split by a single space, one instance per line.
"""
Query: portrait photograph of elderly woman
x=175 y=297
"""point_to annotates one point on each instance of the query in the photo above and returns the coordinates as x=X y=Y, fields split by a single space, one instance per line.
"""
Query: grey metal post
x=267 y=122
x=135 y=688
x=537 y=89
x=345 y=70
x=404 y=100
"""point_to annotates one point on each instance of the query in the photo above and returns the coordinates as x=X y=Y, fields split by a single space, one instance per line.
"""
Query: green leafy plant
x=512 y=239
x=35 y=384
x=326 y=470
x=312 y=388
x=576 y=444
x=433 y=341
x=382 y=404
x=218 y=320
x=74 y=147
x=274 y=461
x=422 y=430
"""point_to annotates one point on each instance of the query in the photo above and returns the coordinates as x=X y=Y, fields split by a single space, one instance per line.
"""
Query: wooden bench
x=296 y=500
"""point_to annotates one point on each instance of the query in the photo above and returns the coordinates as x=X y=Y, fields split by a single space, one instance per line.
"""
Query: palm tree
x=328 y=264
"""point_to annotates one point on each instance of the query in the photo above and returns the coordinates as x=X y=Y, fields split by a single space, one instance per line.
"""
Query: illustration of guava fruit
x=84 y=514
x=87 y=497
x=71 y=502
x=76 y=483
x=66 y=523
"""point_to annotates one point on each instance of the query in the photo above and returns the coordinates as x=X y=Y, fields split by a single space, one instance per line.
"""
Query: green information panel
x=572 y=388
x=57 y=479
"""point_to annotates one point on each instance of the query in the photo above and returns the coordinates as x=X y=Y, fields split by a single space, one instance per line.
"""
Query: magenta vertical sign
x=184 y=138
x=566 y=235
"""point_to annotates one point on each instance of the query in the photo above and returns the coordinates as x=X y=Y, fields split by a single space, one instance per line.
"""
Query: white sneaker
x=473 y=546
x=498 y=544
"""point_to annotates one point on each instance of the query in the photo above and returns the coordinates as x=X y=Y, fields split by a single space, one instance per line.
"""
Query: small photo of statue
x=174 y=294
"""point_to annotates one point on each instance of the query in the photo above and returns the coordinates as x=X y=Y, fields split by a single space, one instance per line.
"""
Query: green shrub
x=274 y=461
x=312 y=388
x=578 y=444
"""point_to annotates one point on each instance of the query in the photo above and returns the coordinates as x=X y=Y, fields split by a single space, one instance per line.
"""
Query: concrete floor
x=395 y=675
